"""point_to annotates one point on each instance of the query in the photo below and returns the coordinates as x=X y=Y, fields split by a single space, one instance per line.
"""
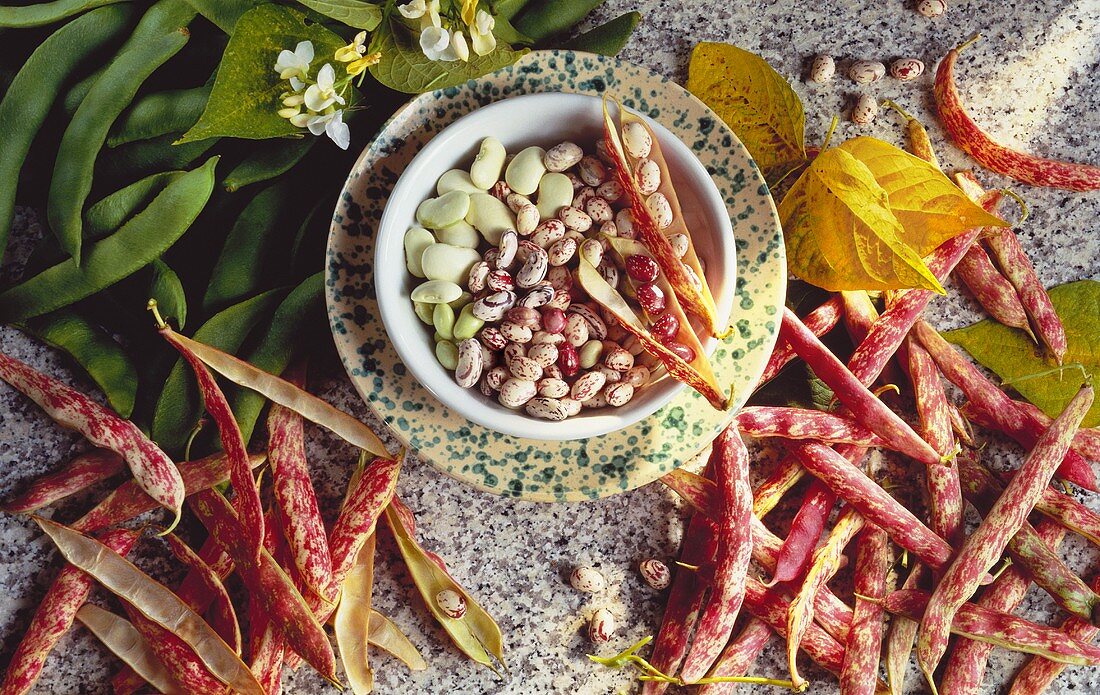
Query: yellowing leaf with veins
x=840 y=231
x=930 y=208
x=754 y=101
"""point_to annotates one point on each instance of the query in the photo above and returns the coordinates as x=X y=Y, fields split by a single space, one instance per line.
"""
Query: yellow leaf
x=754 y=101
x=930 y=208
x=841 y=233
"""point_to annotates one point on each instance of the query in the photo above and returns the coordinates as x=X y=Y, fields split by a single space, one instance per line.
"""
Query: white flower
x=414 y=9
x=435 y=42
x=333 y=125
x=296 y=84
x=300 y=120
x=431 y=18
x=481 y=33
x=320 y=96
x=294 y=64
x=458 y=45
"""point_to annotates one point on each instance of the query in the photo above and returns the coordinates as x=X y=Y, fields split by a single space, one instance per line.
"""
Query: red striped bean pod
x=738 y=657
x=806 y=527
x=224 y=617
x=730 y=463
x=903 y=633
x=967 y=661
x=991 y=289
x=767 y=605
x=1038 y=673
x=873 y=503
x=934 y=410
x=984 y=547
x=694 y=489
x=369 y=491
x=802 y=423
x=83 y=471
x=685 y=601
x=824 y=565
x=267 y=582
x=820 y=321
x=982 y=393
x=153 y=471
x=247 y=498
x=787 y=472
x=1086 y=442
x=865 y=406
x=128 y=500
x=179 y=659
x=1014 y=263
x=861 y=653
x=54 y=616
x=1000 y=629
x=299 y=516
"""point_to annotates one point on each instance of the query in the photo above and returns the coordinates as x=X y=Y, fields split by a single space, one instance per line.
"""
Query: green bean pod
x=545 y=18
x=165 y=287
x=160 y=113
x=71 y=101
x=144 y=237
x=41 y=14
x=608 y=38
x=302 y=311
x=241 y=267
x=160 y=34
x=94 y=350
x=33 y=91
x=145 y=157
x=178 y=408
x=267 y=161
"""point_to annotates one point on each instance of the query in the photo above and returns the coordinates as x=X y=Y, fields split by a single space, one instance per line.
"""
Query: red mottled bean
x=802 y=423
x=861 y=653
x=984 y=547
x=795 y=556
x=179 y=659
x=782 y=478
x=154 y=472
x=903 y=633
x=83 y=471
x=54 y=616
x=982 y=393
x=1086 y=442
x=738 y=657
x=991 y=289
x=730 y=463
x=769 y=606
x=1038 y=673
x=369 y=492
x=224 y=618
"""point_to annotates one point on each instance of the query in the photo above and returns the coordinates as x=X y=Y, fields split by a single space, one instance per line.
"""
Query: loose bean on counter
x=932 y=8
x=865 y=110
x=823 y=69
x=866 y=71
x=906 y=69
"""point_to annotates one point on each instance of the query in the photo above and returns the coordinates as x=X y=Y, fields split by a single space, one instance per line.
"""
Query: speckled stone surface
x=1032 y=83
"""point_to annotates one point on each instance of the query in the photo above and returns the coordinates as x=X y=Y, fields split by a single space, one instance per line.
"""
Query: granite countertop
x=1032 y=82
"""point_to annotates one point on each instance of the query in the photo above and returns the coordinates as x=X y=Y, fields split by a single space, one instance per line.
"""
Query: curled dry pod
x=698 y=301
x=655 y=573
x=1003 y=160
x=587 y=579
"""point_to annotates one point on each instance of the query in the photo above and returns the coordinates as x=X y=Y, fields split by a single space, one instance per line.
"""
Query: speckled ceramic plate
x=539 y=470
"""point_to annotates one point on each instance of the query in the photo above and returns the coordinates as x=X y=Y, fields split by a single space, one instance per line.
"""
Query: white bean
x=486 y=168
x=436 y=213
x=446 y=262
x=490 y=217
x=555 y=192
x=460 y=233
x=436 y=292
x=525 y=170
x=416 y=240
x=456 y=180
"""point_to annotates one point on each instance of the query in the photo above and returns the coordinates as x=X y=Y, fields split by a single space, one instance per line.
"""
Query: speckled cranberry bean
x=501 y=190
x=665 y=327
x=479 y=273
x=533 y=270
x=506 y=250
x=562 y=156
x=648 y=175
x=642 y=268
x=525 y=368
x=680 y=244
x=575 y=180
x=595 y=402
x=587 y=386
x=624 y=224
x=596 y=327
x=552 y=372
x=619 y=360
x=470 y=363
x=492 y=338
x=576 y=331
x=538 y=296
x=516 y=201
x=682 y=351
x=651 y=298
x=637 y=376
x=496 y=377
x=655 y=573
x=527 y=219
x=662 y=212
x=572 y=406
x=591 y=170
x=568 y=360
x=636 y=140
x=548 y=232
x=524 y=316
x=610 y=375
x=618 y=394
x=512 y=351
x=592 y=251
x=553 y=320
x=610 y=191
x=561 y=279
x=544 y=338
x=491 y=308
x=561 y=300
x=546 y=409
x=514 y=393
x=609 y=273
x=545 y=354
x=609 y=229
x=553 y=388
x=515 y=333
x=575 y=219
x=561 y=252
x=599 y=210
x=581 y=197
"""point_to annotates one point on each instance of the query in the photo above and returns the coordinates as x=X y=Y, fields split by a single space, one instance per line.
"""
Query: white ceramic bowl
x=518 y=122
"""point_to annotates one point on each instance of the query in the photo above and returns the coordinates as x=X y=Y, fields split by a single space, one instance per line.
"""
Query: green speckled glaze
x=569 y=470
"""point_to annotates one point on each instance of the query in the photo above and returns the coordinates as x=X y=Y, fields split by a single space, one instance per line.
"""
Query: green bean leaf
x=301 y=314
x=404 y=66
x=1015 y=358
x=178 y=408
x=242 y=269
x=475 y=633
x=246 y=97
x=97 y=353
x=355 y=13
x=143 y=238
x=165 y=287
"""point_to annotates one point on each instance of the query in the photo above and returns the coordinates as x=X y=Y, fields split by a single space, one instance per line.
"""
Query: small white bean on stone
x=547 y=409
x=865 y=110
x=619 y=394
x=562 y=156
x=655 y=573
x=866 y=71
x=932 y=8
x=514 y=393
x=636 y=140
x=587 y=386
x=823 y=69
x=470 y=363
x=561 y=252
x=587 y=579
x=662 y=211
